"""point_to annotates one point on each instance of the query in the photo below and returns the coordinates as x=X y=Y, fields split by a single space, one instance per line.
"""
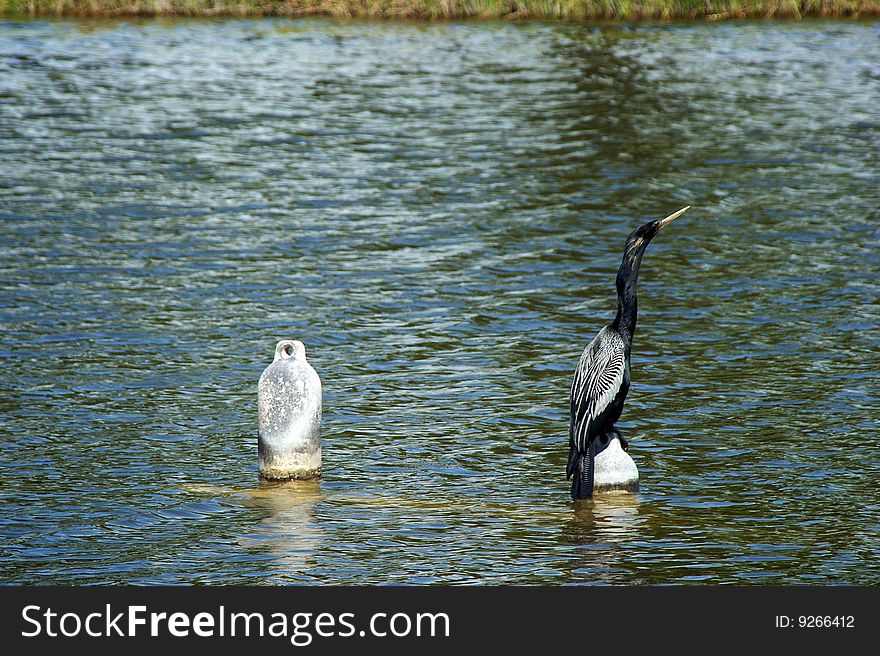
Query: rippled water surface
x=438 y=212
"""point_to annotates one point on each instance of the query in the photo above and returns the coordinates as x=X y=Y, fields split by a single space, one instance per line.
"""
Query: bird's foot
x=624 y=443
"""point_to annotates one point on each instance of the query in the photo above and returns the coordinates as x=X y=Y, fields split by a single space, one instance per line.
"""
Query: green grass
x=442 y=9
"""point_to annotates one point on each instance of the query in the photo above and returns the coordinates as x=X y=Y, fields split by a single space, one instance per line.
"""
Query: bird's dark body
x=580 y=461
x=610 y=416
x=602 y=378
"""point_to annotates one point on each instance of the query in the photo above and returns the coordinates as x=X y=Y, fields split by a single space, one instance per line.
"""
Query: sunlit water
x=437 y=211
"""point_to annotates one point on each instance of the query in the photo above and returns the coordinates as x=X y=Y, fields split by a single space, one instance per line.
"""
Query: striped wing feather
x=597 y=380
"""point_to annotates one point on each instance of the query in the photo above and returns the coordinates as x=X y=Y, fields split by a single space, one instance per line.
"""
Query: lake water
x=437 y=211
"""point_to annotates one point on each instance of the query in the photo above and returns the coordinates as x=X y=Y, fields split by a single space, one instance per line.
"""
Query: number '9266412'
x=815 y=622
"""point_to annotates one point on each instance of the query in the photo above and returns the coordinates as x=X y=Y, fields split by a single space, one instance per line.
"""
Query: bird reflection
x=610 y=517
x=599 y=525
x=289 y=530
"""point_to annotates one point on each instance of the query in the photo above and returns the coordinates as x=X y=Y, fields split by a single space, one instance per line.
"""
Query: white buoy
x=615 y=470
x=289 y=416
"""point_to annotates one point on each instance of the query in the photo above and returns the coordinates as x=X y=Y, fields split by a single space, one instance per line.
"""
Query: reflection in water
x=608 y=517
x=597 y=528
x=288 y=530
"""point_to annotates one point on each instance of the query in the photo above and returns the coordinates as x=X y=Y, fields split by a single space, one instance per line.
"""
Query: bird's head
x=289 y=348
x=637 y=242
x=639 y=238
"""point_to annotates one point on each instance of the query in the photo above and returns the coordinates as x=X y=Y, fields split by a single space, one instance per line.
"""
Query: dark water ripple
x=437 y=211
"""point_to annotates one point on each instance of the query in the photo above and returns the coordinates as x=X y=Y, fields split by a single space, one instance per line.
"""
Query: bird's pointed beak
x=662 y=223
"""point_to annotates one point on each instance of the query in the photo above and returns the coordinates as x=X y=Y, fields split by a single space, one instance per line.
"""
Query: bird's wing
x=596 y=381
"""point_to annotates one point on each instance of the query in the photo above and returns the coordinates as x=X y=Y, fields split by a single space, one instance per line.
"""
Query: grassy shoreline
x=450 y=9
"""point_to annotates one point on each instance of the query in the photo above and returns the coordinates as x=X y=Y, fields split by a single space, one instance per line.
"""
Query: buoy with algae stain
x=614 y=469
x=289 y=416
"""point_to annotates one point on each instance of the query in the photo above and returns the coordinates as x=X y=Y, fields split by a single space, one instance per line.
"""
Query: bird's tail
x=582 y=485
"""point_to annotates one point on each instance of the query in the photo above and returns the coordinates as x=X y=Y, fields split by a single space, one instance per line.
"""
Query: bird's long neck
x=627 y=314
x=627 y=299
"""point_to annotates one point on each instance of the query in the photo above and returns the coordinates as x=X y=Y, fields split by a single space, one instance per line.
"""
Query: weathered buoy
x=289 y=416
x=614 y=469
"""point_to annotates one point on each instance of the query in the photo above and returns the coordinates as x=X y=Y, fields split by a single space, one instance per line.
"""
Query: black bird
x=601 y=380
